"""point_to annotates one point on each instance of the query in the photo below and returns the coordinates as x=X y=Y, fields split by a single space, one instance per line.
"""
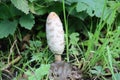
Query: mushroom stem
x=58 y=57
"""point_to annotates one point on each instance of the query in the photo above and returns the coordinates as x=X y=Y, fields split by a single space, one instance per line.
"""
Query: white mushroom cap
x=55 y=33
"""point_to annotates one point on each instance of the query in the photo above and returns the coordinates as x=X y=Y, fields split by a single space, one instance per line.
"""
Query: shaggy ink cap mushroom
x=55 y=35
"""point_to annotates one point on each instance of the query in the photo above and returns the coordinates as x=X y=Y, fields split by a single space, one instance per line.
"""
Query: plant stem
x=66 y=30
x=58 y=57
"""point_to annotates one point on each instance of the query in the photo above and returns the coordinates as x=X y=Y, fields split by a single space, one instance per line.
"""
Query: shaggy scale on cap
x=55 y=33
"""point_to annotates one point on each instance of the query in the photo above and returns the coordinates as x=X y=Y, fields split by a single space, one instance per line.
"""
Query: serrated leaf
x=99 y=7
x=81 y=7
x=7 y=27
x=14 y=11
x=21 y=5
x=93 y=7
x=27 y=21
x=86 y=5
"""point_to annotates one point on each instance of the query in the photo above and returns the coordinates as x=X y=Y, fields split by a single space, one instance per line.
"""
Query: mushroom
x=55 y=35
x=59 y=70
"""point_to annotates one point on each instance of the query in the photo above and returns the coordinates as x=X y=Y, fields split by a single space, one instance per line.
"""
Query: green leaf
x=7 y=27
x=36 y=44
x=32 y=8
x=40 y=10
x=27 y=21
x=43 y=70
x=14 y=11
x=74 y=38
x=4 y=11
x=92 y=7
x=81 y=7
x=21 y=5
x=74 y=50
x=98 y=70
x=72 y=11
x=86 y=5
x=37 y=56
x=99 y=8
x=9 y=11
x=39 y=72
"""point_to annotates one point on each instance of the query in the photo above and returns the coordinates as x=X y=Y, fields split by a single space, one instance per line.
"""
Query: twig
x=12 y=62
x=11 y=50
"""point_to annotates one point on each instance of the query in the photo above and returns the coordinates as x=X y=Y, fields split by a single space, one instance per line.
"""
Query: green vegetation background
x=92 y=33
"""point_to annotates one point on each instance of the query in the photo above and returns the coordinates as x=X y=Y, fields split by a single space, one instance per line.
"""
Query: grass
x=104 y=54
x=66 y=30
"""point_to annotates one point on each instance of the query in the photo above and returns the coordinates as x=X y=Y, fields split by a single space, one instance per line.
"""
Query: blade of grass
x=66 y=30
x=110 y=62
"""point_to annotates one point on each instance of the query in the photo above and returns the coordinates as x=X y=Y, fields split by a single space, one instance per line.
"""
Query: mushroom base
x=63 y=71
x=58 y=57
